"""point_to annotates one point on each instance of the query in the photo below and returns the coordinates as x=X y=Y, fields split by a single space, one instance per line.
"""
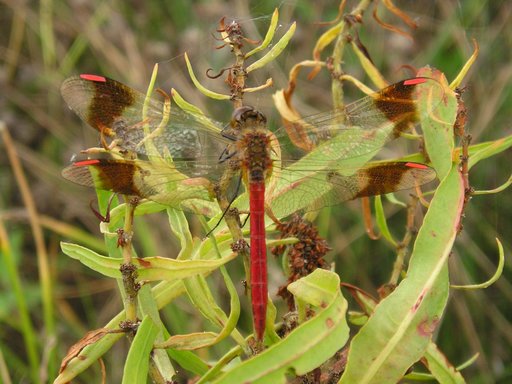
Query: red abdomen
x=258 y=256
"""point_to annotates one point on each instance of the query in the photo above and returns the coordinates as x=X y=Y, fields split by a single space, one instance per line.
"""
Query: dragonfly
x=172 y=156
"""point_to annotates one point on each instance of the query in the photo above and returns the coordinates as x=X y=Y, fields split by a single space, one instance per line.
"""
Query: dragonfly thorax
x=253 y=144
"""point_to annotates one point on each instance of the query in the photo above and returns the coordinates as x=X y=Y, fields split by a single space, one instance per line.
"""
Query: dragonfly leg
x=270 y=214
x=106 y=218
x=239 y=183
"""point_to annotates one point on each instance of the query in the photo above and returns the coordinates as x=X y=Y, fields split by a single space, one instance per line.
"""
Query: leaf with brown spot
x=89 y=338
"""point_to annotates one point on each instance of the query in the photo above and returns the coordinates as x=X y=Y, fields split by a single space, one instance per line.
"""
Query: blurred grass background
x=44 y=42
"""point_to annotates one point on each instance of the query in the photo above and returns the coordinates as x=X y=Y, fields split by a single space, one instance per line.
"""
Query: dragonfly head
x=247 y=117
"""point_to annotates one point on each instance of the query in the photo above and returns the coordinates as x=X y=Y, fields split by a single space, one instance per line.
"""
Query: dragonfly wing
x=124 y=115
x=295 y=190
x=368 y=123
x=160 y=182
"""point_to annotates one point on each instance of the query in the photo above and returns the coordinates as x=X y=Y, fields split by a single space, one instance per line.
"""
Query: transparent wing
x=365 y=125
x=124 y=115
x=335 y=168
x=294 y=190
x=330 y=168
x=157 y=181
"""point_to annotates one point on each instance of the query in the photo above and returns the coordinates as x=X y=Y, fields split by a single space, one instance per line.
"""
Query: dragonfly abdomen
x=256 y=163
x=259 y=290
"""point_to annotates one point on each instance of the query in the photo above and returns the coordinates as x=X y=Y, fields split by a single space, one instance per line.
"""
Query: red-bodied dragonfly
x=143 y=132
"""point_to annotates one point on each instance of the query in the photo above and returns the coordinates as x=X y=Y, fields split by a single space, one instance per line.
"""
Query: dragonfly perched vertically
x=333 y=172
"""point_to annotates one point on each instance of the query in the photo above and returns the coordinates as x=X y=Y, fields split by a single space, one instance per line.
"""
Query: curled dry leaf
x=89 y=338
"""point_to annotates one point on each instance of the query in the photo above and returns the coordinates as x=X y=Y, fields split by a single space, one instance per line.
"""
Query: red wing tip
x=415 y=81
x=96 y=78
x=84 y=163
x=416 y=165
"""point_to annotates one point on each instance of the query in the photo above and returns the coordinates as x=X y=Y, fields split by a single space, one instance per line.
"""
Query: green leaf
x=190 y=341
x=437 y=124
x=268 y=37
x=488 y=149
x=197 y=288
x=149 y=307
x=307 y=346
x=107 y=266
x=185 y=105
x=137 y=362
x=494 y=278
x=274 y=51
x=161 y=268
x=327 y=38
x=367 y=64
x=382 y=223
x=438 y=364
x=179 y=226
x=271 y=336
x=90 y=354
x=316 y=289
x=148 y=144
x=149 y=268
x=205 y=91
x=194 y=111
x=401 y=328
x=202 y=298
x=477 y=152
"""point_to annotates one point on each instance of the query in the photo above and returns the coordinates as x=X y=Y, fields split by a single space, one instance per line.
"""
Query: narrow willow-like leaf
x=271 y=336
x=327 y=38
x=137 y=362
x=149 y=92
x=148 y=306
x=179 y=226
x=464 y=71
x=190 y=341
x=488 y=149
x=274 y=51
x=477 y=152
x=205 y=91
x=382 y=223
x=368 y=66
x=194 y=110
x=197 y=287
x=149 y=268
x=494 y=278
x=162 y=268
x=166 y=113
x=268 y=37
x=432 y=351
x=185 y=105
